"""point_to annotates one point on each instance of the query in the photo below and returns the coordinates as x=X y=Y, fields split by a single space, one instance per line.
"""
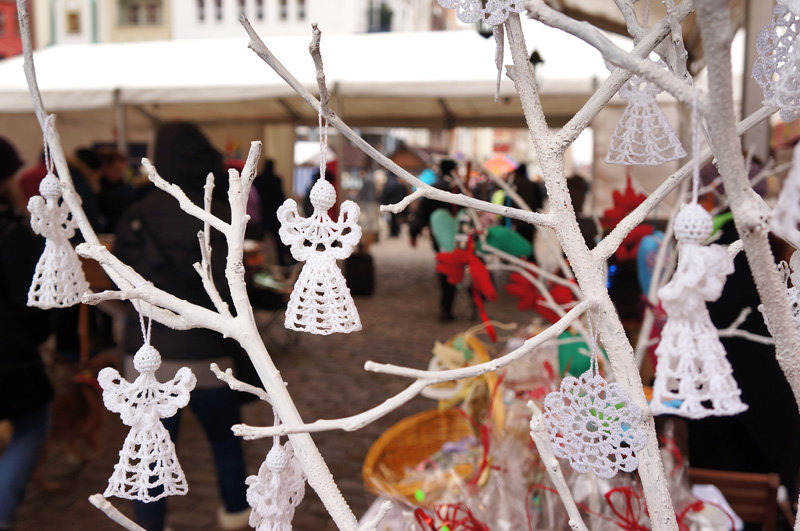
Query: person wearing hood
x=159 y=241
x=25 y=390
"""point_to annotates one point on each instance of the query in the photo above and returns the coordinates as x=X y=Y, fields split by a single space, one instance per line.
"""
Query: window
x=260 y=9
x=242 y=8
x=283 y=10
x=153 y=14
x=2 y=23
x=133 y=15
x=218 y=9
x=201 y=10
x=380 y=17
x=301 y=9
x=73 y=22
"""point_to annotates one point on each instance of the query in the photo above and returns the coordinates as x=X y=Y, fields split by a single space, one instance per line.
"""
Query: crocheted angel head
x=58 y=280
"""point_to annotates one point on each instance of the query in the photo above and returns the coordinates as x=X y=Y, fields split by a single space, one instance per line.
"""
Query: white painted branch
x=733 y=330
x=434 y=377
x=747 y=208
x=407 y=200
x=539 y=436
x=612 y=241
x=113 y=513
x=238 y=385
x=650 y=70
x=422 y=378
x=735 y=248
x=372 y=524
x=316 y=55
x=184 y=202
x=250 y=169
x=258 y=46
x=533 y=268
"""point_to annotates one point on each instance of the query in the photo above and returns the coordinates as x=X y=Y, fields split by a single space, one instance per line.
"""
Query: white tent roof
x=431 y=78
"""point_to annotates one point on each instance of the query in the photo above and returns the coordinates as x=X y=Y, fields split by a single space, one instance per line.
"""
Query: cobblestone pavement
x=326 y=378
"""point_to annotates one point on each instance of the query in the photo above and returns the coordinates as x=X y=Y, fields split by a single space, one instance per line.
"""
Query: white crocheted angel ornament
x=693 y=377
x=643 y=136
x=777 y=68
x=277 y=490
x=58 y=281
x=321 y=302
x=593 y=424
x=148 y=468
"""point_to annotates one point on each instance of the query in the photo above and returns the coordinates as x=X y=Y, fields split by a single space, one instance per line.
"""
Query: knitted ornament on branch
x=58 y=281
x=321 y=302
x=594 y=424
x=777 y=68
x=277 y=490
x=693 y=377
x=148 y=468
x=643 y=136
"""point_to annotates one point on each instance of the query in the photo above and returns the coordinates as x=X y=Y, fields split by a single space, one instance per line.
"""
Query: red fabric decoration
x=454 y=264
x=530 y=298
x=624 y=203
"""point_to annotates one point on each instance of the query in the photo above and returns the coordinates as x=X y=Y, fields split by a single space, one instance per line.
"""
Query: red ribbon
x=530 y=299
x=454 y=516
x=454 y=265
x=632 y=511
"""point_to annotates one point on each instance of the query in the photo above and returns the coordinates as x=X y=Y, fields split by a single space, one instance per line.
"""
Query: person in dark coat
x=422 y=219
x=160 y=242
x=25 y=390
x=532 y=194
x=115 y=194
x=270 y=191
x=393 y=192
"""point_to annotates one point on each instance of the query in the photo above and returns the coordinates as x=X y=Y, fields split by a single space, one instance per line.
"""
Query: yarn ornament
x=321 y=302
x=148 y=468
x=58 y=280
x=643 y=136
x=693 y=376
x=777 y=68
x=593 y=423
x=786 y=215
x=278 y=488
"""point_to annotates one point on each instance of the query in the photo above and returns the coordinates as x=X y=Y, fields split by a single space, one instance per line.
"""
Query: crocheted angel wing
x=37 y=207
x=116 y=390
x=174 y=394
x=348 y=229
x=293 y=229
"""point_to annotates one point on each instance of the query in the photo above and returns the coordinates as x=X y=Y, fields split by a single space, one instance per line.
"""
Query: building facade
x=10 y=43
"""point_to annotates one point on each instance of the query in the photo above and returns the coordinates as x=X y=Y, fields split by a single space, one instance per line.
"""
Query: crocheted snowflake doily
x=777 y=68
x=593 y=424
x=494 y=12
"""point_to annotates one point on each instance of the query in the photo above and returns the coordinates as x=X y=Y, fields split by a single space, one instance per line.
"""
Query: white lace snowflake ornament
x=593 y=424
x=321 y=302
x=493 y=12
x=148 y=468
x=791 y=277
x=693 y=377
x=58 y=280
x=643 y=136
x=277 y=490
x=777 y=68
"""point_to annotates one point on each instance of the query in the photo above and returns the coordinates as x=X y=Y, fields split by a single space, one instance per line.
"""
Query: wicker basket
x=405 y=445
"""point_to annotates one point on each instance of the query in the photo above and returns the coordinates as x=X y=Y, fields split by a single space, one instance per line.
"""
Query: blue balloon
x=646 y=259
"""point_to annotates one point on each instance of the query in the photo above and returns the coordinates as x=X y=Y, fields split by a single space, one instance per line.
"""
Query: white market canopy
x=431 y=79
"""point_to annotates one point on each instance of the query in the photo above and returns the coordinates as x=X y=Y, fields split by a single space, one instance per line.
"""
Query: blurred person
x=578 y=187
x=160 y=242
x=531 y=192
x=29 y=180
x=269 y=186
x=25 y=390
x=393 y=192
x=115 y=194
x=422 y=219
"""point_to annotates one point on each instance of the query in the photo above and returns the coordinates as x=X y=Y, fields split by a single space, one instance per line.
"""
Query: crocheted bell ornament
x=594 y=425
x=777 y=68
x=58 y=280
x=148 y=468
x=321 y=302
x=643 y=136
x=693 y=377
x=276 y=491
x=493 y=12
